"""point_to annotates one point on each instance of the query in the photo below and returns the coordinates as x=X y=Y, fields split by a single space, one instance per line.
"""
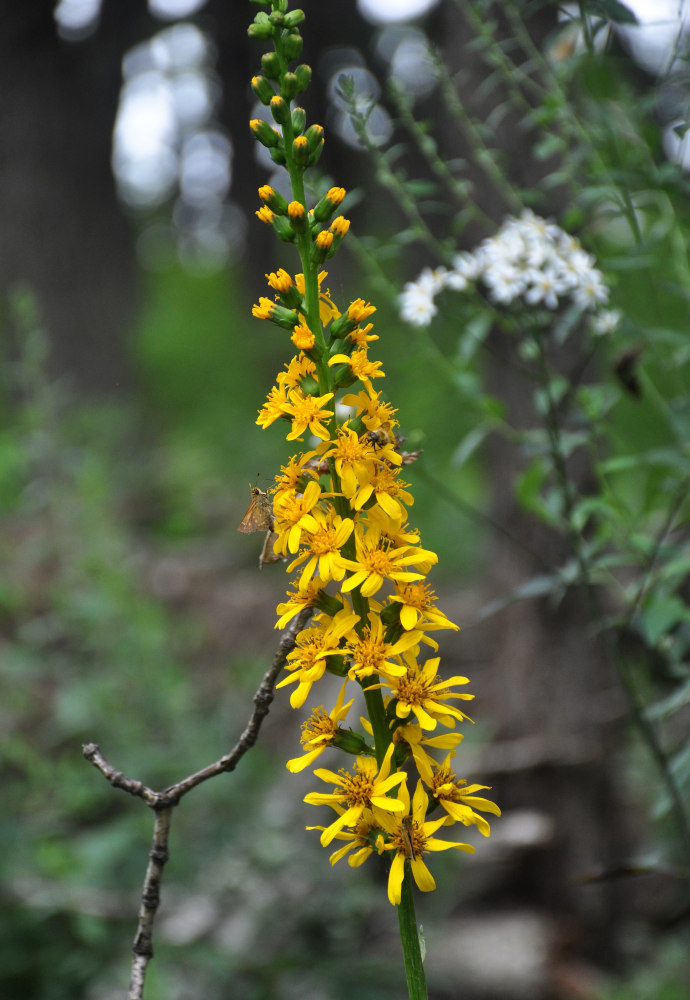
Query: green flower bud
x=340 y=327
x=270 y=65
x=280 y=110
x=278 y=156
x=314 y=136
x=303 y=74
x=324 y=209
x=299 y=120
x=300 y=151
x=390 y=615
x=289 y=87
x=293 y=18
x=337 y=665
x=273 y=199
x=265 y=133
x=287 y=318
x=350 y=742
x=344 y=377
x=282 y=228
x=260 y=30
x=324 y=602
x=277 y=18
x=263 y=89
x=292 y=46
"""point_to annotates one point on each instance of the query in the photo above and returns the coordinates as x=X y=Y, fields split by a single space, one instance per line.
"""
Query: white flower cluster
x=530 y=259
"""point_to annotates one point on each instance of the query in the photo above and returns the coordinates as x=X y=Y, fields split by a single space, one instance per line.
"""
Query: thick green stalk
x=409 y=938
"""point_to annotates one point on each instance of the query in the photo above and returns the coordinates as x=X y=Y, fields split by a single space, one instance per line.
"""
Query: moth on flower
x=259 y=517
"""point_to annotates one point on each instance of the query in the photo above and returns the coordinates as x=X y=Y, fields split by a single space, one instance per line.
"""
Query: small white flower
x=606 y=321
x=591 y=291
x=505 y=282
x=434 y=279
x=456 y=281
x=417 y=303
x=467 y=265
x=545 y=287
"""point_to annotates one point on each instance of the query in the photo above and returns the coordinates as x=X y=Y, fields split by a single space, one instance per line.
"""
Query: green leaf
x=469 y=445
x=662 y=612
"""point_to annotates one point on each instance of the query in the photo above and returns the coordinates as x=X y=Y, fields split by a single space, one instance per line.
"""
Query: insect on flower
x=407 y=837
x=380 y=437
x=259 y=517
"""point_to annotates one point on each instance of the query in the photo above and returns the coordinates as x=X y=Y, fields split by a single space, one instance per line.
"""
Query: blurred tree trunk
x=63 y=230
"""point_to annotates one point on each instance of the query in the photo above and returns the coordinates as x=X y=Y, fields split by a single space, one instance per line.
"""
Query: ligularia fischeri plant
x=338 y=516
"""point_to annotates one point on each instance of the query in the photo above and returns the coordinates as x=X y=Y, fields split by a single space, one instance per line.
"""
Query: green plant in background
x=600 y=346
x=351 y=532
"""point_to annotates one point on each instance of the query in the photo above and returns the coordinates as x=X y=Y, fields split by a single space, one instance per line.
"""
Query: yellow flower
x=417 y=609
x=411 y=837
x=319 y=731
x=280 y=280
x=458 y=798
x=292 y=513
x=377 y=561
x=373 y=412
x=297 y=601
x=370 y=654
x=416 y=739
x=307 y=661
x=351 y=456
x=387 y=490
x=360 y=365
x=419 y=692
x=327 y=308
x=323 y=546
x=363 y=789
x=302 y=337
x=298 y=367
x=360 y=838
x=292 y=474
x=308 y=412
x=274 y=407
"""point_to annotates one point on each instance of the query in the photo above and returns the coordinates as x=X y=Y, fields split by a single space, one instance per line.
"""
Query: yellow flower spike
x=363 y=789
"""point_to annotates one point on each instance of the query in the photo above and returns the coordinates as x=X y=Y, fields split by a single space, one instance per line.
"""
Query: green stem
x=409 y=938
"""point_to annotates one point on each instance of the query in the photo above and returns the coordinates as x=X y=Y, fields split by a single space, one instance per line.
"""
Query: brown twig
x=165 y=801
